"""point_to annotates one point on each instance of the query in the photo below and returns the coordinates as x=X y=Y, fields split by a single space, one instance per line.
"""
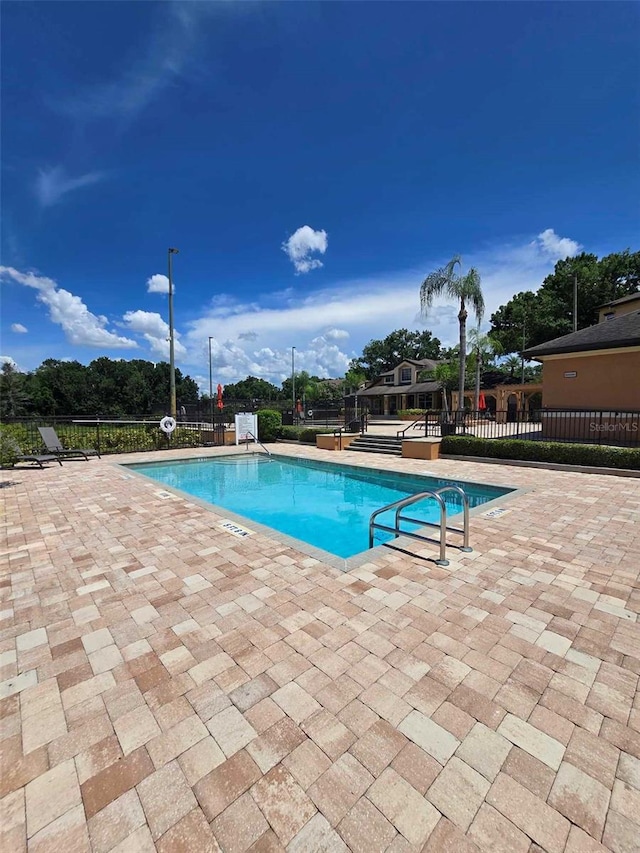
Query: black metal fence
x=116 y=436
x=595 y=426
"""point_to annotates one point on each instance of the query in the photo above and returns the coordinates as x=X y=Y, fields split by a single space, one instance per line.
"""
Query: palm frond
x=437 y=283
x=472 y=292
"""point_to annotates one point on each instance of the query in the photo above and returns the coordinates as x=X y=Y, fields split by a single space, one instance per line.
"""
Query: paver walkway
x=168 y=686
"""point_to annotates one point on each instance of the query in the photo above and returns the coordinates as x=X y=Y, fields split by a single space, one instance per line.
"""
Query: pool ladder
x=435 y=494
x=257 y=441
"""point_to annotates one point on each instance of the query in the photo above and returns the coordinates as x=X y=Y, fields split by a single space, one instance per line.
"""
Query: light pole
x=293 y=380
x=172 y=365
x=524 y=336
x=210 y=382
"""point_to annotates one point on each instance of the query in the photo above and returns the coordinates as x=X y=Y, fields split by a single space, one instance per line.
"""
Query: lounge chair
x=39 y=458
x=54 y=445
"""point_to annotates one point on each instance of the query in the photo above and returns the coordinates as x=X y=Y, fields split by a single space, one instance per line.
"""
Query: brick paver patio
x=168 y=686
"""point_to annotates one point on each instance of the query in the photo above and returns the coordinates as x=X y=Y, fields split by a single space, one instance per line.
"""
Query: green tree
x=484 y=349
x=446 y=374
x=14 y=398
x=381 y=355
x=529 y=318
x=466 y=290
x=511 y=364
x=354 y=377
x=251 y=388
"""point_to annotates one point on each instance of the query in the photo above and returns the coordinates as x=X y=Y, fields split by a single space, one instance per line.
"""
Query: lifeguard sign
x=246 y=427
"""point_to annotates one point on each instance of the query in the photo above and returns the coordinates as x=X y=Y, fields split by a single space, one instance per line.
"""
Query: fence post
x=98 y=448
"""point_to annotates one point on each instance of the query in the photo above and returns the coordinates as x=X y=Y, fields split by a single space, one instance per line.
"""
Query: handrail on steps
x=340 y=430
x=257 y=441
x=423 y=417
x=436 y=494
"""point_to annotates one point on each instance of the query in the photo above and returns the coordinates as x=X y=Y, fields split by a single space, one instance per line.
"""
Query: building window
x=405 y=375
x=609 y=315
x=388 y=380
x=425 y=401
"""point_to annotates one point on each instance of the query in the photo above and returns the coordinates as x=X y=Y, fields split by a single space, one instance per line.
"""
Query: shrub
x=8 y=446
x=410 y=413
x=269 y=424
x=308 y=436
x=602 y=456
x=185 y=437
x=126 y=439
x=291 y=433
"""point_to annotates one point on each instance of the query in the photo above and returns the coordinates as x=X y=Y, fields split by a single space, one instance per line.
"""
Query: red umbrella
x=482 y=403
x=220 y=403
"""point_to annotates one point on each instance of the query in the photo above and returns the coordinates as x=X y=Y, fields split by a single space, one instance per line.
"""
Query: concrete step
x=389 y=445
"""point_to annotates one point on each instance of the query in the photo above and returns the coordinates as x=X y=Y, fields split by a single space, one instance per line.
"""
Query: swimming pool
x=325 y=505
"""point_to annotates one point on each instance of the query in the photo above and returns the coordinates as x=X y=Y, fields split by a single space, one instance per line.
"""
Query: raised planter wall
x=332 y=442
x=421 y=448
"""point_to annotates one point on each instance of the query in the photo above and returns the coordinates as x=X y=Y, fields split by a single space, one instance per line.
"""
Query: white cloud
x=159 y=283
x=155 y=331
x=53 y=183
x=556 y=247
x=336 y=335
x=80 y=326
x=300 y=246
x=19 y=328
x=6 y=359
x=332 y=325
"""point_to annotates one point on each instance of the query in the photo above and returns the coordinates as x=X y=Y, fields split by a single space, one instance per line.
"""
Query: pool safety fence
x=117 y=435
x=580 y=426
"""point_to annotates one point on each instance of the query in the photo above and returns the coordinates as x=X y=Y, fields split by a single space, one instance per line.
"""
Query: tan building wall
x=619 y=310
x=597 y=380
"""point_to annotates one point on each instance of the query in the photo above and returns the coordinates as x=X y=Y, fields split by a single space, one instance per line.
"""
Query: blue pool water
x=320 y=503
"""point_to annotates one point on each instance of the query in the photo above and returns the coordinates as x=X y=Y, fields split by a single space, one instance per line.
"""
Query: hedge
x=308 y=436
x=269 y=424
x=410 y=413
x=291 y=433
x=601 y=456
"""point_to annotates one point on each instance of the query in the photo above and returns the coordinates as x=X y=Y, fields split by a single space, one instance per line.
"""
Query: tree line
x=117 y=388
x=105 y=387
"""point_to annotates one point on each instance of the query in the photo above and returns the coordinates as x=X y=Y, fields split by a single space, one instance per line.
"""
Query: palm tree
x=463 y=288
x=446 y=374
x=484 y=349
x=512 y=364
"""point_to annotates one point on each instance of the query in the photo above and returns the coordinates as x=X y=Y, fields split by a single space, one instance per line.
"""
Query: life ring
x=168 y=425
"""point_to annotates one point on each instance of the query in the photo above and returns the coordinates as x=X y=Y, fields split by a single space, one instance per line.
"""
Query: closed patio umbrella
x=220 y=403
x=482 y=403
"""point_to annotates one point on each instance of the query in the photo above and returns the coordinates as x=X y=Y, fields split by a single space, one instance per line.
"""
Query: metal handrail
x=436 y=494
x=423 y=417
x=257 y=441
x=400 y=433
x=338 y=431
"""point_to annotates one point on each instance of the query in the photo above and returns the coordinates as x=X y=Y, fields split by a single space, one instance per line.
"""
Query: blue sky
x=311 y=161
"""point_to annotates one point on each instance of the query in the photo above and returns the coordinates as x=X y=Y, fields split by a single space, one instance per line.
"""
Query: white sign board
x=246 y=423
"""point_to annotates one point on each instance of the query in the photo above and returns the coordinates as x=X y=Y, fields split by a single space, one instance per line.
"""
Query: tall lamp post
x=172 y=364
x=210 y=382
x=293 y=381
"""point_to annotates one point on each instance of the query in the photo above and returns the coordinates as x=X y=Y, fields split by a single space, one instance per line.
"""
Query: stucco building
x=596 y=372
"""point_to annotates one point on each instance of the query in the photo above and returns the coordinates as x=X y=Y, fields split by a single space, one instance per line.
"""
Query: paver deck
x=168 y=686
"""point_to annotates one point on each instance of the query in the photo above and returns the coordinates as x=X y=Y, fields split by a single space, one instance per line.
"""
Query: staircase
x=390 y=445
